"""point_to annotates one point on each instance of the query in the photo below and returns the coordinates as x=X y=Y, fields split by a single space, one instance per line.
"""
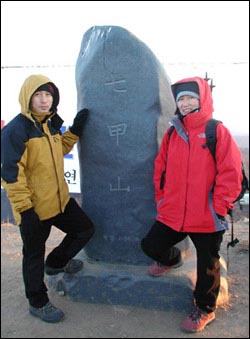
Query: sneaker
x=48 y=313
x=158 y=269
x=197 y=320
x=73 y=266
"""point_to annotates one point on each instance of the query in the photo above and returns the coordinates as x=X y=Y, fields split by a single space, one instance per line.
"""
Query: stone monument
x=128 y=94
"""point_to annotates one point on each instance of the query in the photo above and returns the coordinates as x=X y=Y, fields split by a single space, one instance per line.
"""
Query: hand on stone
x=78 y=123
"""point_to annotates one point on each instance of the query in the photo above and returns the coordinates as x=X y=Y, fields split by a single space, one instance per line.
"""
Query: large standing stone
x=128 y=94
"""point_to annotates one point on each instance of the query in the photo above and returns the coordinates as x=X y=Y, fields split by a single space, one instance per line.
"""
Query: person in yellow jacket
x=33 y=177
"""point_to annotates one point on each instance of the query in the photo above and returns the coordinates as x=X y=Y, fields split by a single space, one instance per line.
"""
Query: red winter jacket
x=188 y=201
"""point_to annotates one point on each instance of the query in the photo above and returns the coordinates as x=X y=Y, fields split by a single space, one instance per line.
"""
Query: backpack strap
x=170 y=131
x=162 y=181
x=210 y=132
x=244 y=184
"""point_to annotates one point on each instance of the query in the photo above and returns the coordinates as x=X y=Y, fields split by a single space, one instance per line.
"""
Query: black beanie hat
x=186 y=88
x=46 y=87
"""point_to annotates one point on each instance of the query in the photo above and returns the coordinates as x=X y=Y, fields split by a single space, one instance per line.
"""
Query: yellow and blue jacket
x=32 y=157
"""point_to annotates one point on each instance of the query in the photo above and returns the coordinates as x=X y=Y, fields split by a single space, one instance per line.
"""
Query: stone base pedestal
x=132 y=285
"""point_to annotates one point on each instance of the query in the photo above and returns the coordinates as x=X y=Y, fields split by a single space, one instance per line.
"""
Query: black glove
x=30 y=222
x=80 y=118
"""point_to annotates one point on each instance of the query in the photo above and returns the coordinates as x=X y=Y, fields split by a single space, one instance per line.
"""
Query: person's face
x=187 y=103
x=41 y=101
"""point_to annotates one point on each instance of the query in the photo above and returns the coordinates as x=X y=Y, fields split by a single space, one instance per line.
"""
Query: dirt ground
x=84 y=320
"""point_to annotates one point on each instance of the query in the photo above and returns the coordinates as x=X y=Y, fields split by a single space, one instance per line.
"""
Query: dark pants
x=159 y=245
x=78 y=228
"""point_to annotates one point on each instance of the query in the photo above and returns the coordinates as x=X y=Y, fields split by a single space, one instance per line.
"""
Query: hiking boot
x=158 y=269
x=197 y=320
x=48 y=313
x=73 y=266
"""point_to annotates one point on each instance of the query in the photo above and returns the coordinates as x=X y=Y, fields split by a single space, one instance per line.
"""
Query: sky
x=188 y=37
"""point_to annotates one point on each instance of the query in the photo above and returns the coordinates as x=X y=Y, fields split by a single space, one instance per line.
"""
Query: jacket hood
x=206 y=100
x=28 y=88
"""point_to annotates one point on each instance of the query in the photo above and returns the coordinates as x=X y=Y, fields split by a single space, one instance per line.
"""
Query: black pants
x=78 y=228
x=159 y=245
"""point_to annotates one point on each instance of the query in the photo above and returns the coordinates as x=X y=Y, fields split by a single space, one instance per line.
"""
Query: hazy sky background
x=189 y=38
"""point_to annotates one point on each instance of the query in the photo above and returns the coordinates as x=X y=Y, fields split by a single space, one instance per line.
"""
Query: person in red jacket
x=194 y=197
